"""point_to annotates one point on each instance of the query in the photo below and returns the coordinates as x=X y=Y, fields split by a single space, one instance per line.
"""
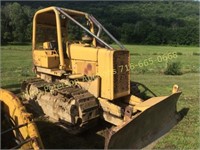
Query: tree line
x=159 y=22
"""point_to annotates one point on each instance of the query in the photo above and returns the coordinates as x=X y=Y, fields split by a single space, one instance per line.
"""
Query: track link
x=80 y=106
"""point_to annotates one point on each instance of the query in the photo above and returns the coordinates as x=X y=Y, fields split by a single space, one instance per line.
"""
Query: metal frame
x=99 y=25
x=66 y=12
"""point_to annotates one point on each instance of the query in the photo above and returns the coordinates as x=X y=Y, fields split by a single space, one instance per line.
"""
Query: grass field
x=16 y=65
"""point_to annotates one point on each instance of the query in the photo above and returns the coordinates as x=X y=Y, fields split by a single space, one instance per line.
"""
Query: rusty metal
x=72 y=106
x=128 y=113
x=146 y=127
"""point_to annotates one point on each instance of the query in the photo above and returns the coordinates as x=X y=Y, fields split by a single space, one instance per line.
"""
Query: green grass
x=16 y=65
x=186 y=134
x=189 y=61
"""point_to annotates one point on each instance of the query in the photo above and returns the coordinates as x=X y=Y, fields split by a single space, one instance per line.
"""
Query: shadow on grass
x=183 y=112
x=55 y=137
x=14 y=88
x=11 y=86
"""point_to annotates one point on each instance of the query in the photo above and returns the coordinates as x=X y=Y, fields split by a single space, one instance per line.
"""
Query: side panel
x=84 y=67
x=83 y=59
x=46 y=58
x=82 y=52
x=114 y=72
x=105 y=71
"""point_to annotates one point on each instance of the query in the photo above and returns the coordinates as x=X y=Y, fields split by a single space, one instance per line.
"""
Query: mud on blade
x=158 y=115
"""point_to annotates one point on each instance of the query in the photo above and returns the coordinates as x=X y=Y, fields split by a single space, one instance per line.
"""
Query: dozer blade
x=158 y=115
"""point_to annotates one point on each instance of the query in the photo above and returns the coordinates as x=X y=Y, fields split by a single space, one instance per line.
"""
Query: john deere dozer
x=81 y=79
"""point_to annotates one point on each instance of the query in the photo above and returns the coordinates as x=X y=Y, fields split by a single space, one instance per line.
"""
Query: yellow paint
x=13 y=108
x=80 y=52
x=54 y=72
x=92 y=86
x=175 y=89
x=110 y=108
x=81 y=58
x=133 y=100
x=55 y=12
x=46 y=58
x=111 y=66
x=149 y=103
x=106 y=68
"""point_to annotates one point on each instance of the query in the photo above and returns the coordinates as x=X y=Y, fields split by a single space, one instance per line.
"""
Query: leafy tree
x=17 y=21
x=6 y=34
x=157 y=22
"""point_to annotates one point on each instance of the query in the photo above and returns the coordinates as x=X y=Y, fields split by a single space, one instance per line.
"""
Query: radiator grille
x=121 y=76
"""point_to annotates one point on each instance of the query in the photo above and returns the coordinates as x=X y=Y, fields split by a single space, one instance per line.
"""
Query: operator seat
x=53 y=45
x=50 y=45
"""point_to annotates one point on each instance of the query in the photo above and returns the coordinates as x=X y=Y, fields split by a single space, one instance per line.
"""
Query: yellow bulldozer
x=81 y=79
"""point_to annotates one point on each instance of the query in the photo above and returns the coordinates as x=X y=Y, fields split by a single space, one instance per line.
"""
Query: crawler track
x=71 y=106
